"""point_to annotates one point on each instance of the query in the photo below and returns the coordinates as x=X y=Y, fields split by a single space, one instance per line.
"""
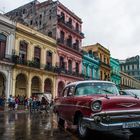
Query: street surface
x=22 y=125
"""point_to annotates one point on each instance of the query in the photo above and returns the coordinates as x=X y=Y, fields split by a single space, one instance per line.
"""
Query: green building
x=90 y=66
x=115 y=71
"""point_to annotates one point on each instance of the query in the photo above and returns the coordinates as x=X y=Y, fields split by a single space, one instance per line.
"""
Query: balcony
x=6 y=58
x=103 y=63
x=70 y=27
x=74 y=46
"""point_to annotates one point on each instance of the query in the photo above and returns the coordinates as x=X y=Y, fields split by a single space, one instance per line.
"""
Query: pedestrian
x=16 y=103
x=10 y=105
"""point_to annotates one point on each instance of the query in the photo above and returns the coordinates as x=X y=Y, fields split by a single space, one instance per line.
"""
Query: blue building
x=90 y=66
x=115 y=71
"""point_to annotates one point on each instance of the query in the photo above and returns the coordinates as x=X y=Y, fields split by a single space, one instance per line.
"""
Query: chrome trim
x=125 y=116
x=74 y=105
x=90 y=123
x=116 y=112
x=127 y=104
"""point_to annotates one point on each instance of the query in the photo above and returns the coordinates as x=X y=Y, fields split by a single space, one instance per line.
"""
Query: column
x=43 y=56
x=42 y=85
x=29 y=88
x=30 y=51
x=17 y=44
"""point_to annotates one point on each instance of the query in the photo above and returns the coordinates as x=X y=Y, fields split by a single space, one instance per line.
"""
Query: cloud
x=113 y=23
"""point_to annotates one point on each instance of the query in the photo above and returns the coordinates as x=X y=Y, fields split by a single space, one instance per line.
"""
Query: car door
x=63 y=104
x=69 y=103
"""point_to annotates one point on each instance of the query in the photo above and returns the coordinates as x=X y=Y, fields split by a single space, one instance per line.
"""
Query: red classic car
x=97 y=105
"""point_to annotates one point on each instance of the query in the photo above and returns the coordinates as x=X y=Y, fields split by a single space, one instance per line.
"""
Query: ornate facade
x=128 y=82
x=34 y=57
x=7 y=39
x=57 y=21
x=103 y=55
x=90 y=66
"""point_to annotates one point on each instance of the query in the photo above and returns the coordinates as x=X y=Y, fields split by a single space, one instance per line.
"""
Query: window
x=23 y=51
x=37 y=53
x=50 y=34
x=77 y=27
x=69 y=41
x=31 y=22
x=70 y=66
x=65 y=92
x=77 y=67
x=71 y=91
x=3 y=39
x=62 y=64
x=96 y=88
x=62 y=36
x=49 y=58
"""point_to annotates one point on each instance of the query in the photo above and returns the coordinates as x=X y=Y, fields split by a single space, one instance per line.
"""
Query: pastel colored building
x=7 y=39
x=103 y=54
x=90 y=66
x=34 y=56
x=128 y=82
x=57 y=21
x=115 y=71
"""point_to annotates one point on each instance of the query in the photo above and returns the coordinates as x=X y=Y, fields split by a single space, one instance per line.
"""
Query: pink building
x=55 y=20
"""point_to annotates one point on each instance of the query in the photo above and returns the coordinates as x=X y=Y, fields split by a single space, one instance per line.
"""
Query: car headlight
x=96 y=106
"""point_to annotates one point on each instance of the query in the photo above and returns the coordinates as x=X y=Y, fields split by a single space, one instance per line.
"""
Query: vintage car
x=97 y=105
x=131 y=92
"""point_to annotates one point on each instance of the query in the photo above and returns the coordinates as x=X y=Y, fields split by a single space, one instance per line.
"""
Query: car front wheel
x=82 y=130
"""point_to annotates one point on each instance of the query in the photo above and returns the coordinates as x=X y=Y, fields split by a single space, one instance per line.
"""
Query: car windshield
x=96 y=88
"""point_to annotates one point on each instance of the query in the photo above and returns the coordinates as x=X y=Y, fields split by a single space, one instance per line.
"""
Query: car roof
x=88 y=81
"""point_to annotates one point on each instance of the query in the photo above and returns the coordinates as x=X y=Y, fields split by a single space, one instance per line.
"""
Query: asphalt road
x=23 y=125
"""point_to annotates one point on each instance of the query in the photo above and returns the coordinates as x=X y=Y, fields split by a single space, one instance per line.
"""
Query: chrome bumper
x=90 y=123
x=98 y=121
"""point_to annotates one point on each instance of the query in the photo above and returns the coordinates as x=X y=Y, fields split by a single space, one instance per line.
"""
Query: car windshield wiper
x=135 y=95
x=107 y=91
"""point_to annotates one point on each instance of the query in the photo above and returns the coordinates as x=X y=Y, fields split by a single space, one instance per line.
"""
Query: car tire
x=61 y=122
x=83 y=131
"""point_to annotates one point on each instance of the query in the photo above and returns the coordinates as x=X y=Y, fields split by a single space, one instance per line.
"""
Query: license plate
x=131 y=125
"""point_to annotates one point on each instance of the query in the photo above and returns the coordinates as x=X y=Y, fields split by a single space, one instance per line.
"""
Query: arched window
x=3 y=39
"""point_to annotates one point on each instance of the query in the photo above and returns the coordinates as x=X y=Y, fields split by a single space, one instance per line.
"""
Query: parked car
x=131 y=92
x=97 y=105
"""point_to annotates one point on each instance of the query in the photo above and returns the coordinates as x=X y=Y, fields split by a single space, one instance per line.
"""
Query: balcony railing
x=54 y=69
x=103 y=63
x=6 y=58
x=70 y=27
x=74 y=46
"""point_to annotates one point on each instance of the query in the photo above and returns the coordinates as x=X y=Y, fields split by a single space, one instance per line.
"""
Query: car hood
x=119 y=102
x=114 y=102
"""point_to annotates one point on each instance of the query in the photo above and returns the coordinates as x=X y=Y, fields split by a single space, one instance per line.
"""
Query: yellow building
x=104 y=56
x=34 y=56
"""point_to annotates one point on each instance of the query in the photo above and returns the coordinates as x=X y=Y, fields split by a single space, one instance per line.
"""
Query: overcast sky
x=113 y=23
